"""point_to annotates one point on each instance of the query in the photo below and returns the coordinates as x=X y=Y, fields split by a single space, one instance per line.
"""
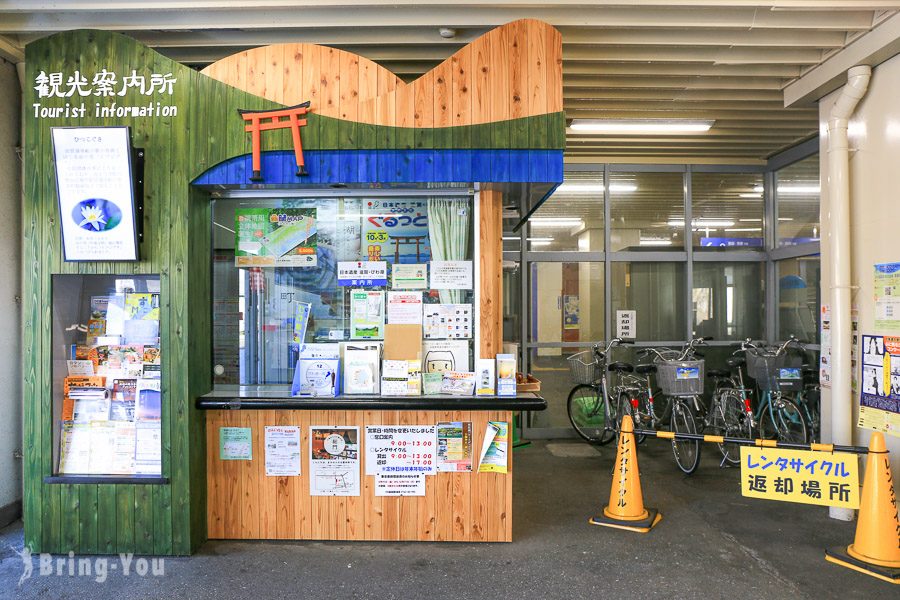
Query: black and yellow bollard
x=626 y=500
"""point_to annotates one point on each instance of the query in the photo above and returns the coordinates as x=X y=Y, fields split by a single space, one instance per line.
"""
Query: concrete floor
x=711 y=543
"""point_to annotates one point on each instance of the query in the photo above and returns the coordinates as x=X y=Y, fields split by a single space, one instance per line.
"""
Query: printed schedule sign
x=96 y=201
x=825 y=478
x=402 y=449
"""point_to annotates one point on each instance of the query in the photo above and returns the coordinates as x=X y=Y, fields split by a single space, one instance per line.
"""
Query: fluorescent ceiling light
x=736 y=229
x=785 y=219
x=702 y=223
x=641 y=126
x=799 y=189
x=556 y=222
x=541 y=243
x=754 y=195
x=655 y=242
x=594 y=188
x=750 y=220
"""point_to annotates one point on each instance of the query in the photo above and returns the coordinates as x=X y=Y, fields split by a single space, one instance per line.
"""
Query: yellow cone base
x=640 y=526
x=840 y=556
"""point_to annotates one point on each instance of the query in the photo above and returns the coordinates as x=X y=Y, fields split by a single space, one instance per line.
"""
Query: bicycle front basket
x=775 y=373
x=680 y=377
x=584 y=367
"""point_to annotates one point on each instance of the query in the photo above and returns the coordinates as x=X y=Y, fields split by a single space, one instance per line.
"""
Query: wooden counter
x=244 y=503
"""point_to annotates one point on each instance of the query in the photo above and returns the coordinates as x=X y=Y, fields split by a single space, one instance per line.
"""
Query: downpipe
x=839 y=235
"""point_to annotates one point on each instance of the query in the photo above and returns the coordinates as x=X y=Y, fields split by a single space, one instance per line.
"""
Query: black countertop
x=270 y=398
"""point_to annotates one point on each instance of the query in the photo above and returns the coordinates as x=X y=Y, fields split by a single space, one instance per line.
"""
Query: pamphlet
x=282 y=444
x=361 y=370
x=394 y=377
x=366 y=315
x=414 y=378
x=142 y=306
x=459 y=383
x=316 y=377
x=484 y=372
x=301 y=320
x=494 y=448
x=148 y=403
x=334 y=461
x=454 y=447
x=147 y=447
x=431 y=383
x=506 y=375
x=84 y=368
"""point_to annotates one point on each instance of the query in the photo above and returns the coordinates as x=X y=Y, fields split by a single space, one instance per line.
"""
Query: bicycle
x=730 y=413
x=777 y=374
x=592 y=413
x=680 y=377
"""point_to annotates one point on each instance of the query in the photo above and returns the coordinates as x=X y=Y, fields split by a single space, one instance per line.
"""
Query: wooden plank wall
x=491 y=271
x=517 y=65
x=246 y=504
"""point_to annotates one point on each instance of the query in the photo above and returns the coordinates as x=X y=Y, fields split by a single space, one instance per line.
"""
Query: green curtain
x=449 y=231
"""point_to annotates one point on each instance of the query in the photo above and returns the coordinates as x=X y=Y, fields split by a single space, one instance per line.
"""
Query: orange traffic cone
x=626 y=501
x=876 y=549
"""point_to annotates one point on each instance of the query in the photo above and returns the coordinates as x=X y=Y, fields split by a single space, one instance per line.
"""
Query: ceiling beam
x=712 y=83
x=11 y=51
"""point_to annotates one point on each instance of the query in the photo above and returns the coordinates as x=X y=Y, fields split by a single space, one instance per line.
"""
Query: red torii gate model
x=292 y=115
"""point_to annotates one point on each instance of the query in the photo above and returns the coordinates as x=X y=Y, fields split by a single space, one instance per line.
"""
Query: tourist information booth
x=263 y=300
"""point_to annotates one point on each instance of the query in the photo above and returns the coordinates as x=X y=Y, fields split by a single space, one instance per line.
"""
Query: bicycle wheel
x=587 y=414
x=687 y=452
x=782 y=420
x=736 y=424
x=624 y=407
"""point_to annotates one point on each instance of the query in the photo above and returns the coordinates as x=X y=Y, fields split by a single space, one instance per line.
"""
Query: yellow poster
x=824 y=478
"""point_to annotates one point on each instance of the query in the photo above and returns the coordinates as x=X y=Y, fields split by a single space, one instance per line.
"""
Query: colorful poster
x=333 y=461
x=827 y=479
x=362 y=273
x=396 y=231
x=447 y=321
x=494 y=448
x=570 y=312
x=887 y=297
x=142 y=306
x=397 y=484
x=366 y=315
x=405 y=449
x=235 y=443
x=275 y=237
x=454 y=447
x=282 y=451
x=879 y=398
x=95 y=191
x=404 y=308
x=409 y=277
x=451 y=274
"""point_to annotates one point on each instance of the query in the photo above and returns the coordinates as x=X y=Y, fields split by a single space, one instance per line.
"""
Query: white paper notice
x=401 y=449
x=93 y=178
x=390 y=484
x=409 y=277
x=451 y=274
x=447 y=321
x=282 y=451
x=404 y=308
x=80 y=367
x=625 y=324
x=333 y=461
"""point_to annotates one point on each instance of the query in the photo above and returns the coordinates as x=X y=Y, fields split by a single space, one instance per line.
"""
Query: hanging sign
x=96 y=194
x=828 y=479
x=625 y=324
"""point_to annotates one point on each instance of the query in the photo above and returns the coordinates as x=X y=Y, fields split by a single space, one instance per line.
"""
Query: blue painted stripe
x=393 y=166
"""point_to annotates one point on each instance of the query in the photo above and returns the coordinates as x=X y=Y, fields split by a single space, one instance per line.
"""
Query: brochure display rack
x=305 y=339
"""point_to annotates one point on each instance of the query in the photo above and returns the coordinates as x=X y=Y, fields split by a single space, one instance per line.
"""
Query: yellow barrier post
x=875 y=550
x=626 y=500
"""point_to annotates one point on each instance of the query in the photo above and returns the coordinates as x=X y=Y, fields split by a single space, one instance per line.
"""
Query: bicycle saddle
x=645 y=369
x=620 y=367
x=735 y=361
x=719 y=373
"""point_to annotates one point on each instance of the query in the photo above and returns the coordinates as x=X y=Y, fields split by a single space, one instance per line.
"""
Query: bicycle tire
x=687 y=452
x=587 y=414
x=662 y=407
x=624 y=407
x=783 y=420
x=736 y=424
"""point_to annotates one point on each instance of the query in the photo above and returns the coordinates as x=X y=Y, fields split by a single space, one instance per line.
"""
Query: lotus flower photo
x=97 y=214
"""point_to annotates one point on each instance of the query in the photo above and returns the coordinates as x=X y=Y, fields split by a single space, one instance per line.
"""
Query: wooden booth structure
x=283 y=117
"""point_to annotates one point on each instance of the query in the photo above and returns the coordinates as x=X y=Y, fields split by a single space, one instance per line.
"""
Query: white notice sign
x=404 y=449
x=625 y=324
x=390 y=484
x=451 y=274
x=96 y=202
x=282 y=451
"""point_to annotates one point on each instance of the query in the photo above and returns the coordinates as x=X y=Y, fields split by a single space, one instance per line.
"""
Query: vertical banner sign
x=879 y=399
x=96 y=194
x=827 y=479
x=625 y=324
